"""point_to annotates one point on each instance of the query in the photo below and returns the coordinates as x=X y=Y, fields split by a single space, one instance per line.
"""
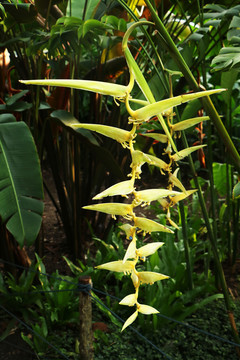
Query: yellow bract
x=148 y=111
x=120 y=135
x=149 y=195
x=148 y=249
x=186 y=124
x=148 y=226
x=123 y=188
x=99 y=87
x=129 y=300
x=183 y=153
x=112 y=208
x=118 y=266
x=146 y=309
x=149 y=277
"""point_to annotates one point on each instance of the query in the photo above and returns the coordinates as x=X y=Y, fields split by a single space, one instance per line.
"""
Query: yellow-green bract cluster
x=166 y=197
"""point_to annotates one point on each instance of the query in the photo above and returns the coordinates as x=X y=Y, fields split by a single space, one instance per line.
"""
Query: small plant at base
x=167 y=197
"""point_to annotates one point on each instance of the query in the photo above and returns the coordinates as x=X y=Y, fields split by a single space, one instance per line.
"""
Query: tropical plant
x=126 y=138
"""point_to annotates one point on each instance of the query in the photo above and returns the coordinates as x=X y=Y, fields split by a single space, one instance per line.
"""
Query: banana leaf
x=21 y=190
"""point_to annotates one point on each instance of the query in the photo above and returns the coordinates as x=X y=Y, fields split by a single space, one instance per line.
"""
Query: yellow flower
x=99 y=87
x=129 y=300
x=120 y=135
x=149 y=277
x=118 y=266
x=183 y=153
x=146 y=112
x=125 y=210
x=176 y=182
x=149 y=195
x=131 y=251
x=146 y=309
x=148 y=226
x=123 y=188
x=185 y=124
x=148 y=249
x=130 y=320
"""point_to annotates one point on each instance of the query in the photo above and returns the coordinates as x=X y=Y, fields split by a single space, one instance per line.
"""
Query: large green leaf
x=79 y=7
x=21 y=190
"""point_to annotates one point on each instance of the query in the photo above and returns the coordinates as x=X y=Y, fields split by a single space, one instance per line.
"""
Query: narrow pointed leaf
x=122 y=188
x=99 y=87
x=183 y=153
x=149 y=226
x=130 y=320
x=183 y=125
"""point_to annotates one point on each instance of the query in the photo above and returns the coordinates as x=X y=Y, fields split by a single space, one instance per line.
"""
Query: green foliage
x=21 y=191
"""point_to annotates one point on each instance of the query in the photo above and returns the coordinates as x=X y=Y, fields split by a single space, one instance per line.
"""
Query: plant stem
x=207 y=103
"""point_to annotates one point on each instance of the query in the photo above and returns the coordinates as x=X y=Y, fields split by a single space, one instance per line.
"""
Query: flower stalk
x=169 y=197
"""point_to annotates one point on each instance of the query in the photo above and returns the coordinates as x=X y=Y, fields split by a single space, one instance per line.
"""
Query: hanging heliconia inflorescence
x=166 y=197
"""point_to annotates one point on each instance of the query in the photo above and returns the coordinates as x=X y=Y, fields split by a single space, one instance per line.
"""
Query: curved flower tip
x=150 y=195
x=118 y=266
x=128 y=229
x=148 y=249
x=177 y=198
x=146 y=309
x=122 y=188
x=171 y=222
x=185 y=152
x=130 y=320
x=120 y=135
x=129 y=300
x=149 y=277
x=99 y=87
x=131 y=251
x=149 y=226
x=112 y=208
x=176 y=182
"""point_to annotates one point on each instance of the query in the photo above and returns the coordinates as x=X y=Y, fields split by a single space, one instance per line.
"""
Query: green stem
x=186 y=246
x=210 y=109
x=207 y=103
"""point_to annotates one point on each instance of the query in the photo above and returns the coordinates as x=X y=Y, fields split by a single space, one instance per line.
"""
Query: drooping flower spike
x=148 y=108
